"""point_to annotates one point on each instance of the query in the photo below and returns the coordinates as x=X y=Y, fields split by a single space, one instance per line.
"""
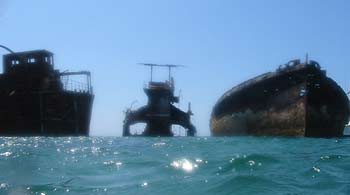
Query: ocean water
x=179 y=165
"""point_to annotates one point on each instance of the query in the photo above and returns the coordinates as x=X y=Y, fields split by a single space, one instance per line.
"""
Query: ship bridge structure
x=38 y=100
x=160 y=113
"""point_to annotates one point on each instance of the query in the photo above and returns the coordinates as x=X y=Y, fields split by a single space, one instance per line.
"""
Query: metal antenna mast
x=307 y=58
x=169 y=66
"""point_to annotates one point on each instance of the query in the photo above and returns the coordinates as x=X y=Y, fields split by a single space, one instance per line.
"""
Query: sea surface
x=179 y=165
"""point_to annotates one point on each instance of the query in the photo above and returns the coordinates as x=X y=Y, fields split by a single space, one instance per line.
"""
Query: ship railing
x=158 y=85
x=79 y=82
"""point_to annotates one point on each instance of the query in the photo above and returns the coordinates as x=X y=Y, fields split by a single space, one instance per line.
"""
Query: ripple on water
x=316 y=169
x=170 y=166
x=144 y=184
x=4 y=185
x=246 y=163
x=6 y=154
x=112 y=163
x=159 y=144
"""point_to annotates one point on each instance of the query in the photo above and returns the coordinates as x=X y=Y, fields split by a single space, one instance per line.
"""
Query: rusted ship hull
x=45 y=113
x=295 y=101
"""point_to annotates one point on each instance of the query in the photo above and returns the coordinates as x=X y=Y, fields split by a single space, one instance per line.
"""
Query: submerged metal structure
x=159 y=114
x=38 y=100
x=298 y=99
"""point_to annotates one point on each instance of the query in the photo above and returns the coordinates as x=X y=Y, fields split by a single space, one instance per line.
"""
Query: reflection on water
x=107 y=165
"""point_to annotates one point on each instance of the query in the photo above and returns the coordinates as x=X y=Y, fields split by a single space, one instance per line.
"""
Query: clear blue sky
x=222 y=43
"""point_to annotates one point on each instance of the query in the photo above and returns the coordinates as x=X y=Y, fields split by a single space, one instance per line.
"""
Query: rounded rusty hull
x=299 y=101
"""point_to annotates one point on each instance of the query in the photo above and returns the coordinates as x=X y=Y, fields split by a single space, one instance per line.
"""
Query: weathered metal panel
x=298 y=100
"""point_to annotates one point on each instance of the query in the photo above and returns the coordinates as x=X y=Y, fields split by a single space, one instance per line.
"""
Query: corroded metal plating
x=296 y=100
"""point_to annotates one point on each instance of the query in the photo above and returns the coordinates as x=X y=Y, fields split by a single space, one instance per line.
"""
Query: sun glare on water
x=184 y=164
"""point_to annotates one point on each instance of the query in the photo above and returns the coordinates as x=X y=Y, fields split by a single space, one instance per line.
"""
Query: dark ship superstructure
x=37 y=100
x=298 y=99
x=160 y=113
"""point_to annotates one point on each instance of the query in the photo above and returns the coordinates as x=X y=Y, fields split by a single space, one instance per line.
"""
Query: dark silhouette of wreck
x=296 y=100
x=37 y=100
x=160 y=113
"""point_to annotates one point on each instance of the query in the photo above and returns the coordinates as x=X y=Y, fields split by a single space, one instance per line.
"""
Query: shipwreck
x=298 y=99
x=160 y=113
x=38 y=100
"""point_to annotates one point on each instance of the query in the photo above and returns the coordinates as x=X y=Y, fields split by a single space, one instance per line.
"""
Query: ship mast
x=307 y=58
